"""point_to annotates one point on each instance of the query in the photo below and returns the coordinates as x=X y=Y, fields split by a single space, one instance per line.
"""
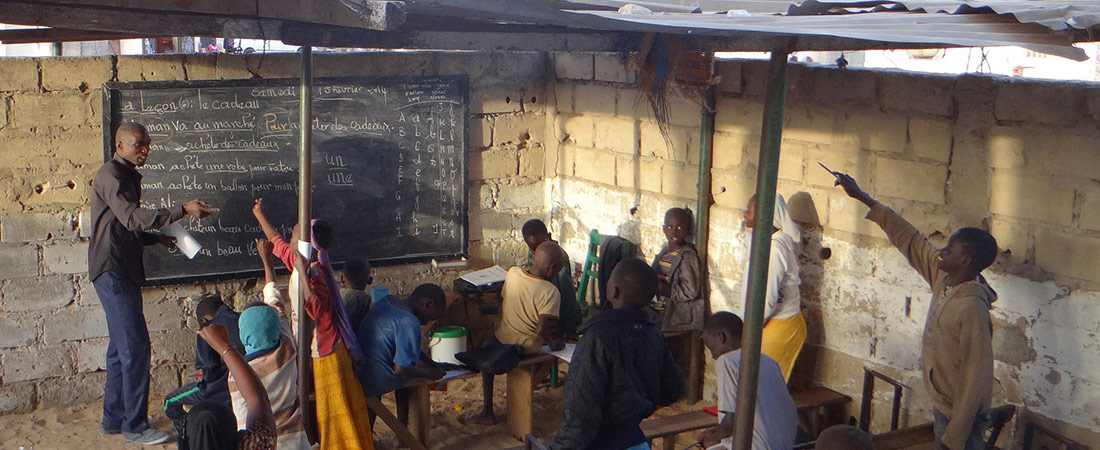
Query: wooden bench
x=519 y=390
x=668 y=427
x=420 y=405
x=812 y=402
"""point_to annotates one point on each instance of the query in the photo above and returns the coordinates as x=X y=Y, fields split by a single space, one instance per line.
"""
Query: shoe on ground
x=108 y=431
x=151 y=436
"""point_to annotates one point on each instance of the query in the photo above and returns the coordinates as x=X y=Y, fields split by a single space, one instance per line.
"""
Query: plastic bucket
x=378 y=292
x=445 y=341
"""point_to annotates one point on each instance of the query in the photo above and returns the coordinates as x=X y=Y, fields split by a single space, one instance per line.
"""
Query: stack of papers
x=184 y=241
x=565 y=354
x=485 y=277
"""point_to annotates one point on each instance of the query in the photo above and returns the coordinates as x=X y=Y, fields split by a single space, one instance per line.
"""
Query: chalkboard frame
x=110 y=105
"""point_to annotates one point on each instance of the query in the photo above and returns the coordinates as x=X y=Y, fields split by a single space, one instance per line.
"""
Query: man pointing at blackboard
x=116 y=269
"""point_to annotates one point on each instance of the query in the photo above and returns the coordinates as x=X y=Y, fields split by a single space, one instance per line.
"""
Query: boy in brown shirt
x=956 y=346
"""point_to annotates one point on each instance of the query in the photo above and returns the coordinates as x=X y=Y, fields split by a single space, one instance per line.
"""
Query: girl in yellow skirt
x=784 y=327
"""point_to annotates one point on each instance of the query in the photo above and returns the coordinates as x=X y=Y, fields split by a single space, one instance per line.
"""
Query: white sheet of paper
x=565 y=354
x=486 y=276
x=184 y=241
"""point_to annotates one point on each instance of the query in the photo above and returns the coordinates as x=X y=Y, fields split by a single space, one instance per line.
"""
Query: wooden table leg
x=520 y=387
x=391 y=421
x=420 y=411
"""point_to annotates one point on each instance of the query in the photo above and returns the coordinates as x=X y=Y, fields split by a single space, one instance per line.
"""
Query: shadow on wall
x=811 y=270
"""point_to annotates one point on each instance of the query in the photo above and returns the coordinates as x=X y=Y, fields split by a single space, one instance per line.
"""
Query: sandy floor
x=76 y=426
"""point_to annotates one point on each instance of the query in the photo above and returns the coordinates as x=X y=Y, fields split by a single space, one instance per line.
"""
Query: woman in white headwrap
x=784 y=327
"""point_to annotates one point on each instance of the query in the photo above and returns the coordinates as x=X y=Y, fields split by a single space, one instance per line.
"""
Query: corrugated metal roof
x=1046 y=26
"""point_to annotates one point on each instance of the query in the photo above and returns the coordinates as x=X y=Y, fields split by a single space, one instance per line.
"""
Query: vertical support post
x=702 y=236
x=305 y=152
x=767 y=173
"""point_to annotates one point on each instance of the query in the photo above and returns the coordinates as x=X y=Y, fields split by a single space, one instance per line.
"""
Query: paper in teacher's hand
x=184 y=241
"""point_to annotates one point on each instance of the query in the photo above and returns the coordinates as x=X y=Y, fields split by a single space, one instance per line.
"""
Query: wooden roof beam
x=37 y=35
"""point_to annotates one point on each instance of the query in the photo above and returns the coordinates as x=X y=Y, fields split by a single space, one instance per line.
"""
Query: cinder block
x=652 y=143
x=31 y=363
x=17 y=398
x=525 y=196
x=626 y=171
x=683 y=110
x=201 y=66
x=811 y=125
x=1030 y=198
x=832 y=87
x=1010 y=237
x=594 y=99
x=41 y=111
x=91 y=355
x=19 y=74
x=71 y=390
x=1090 y=209
x=613 y=67
x=926 y=94
x=1068 y=254
x=74 y=324
x=650 y=168
x=18 y=331
x=1006 y=148
x=492 y=224
x=563 y=97
x=173 y=346
x=532 y=161
x=492 y=164
x=878 y=131
x=481 y=132
x=162 y=314
x=910 y=180
x=574 y=65
x=567 y=160
x=596 y=165
x=790 y=166
x=1061 y=104
x=730 y=190
x=631 y=103
x=514 y=128
x=730 y=71
x=18 y=261
x=846 y=214
x=581 y=131
x=931 y=138
x=739 y=116
x=496 y=101
x=67 y=257
x=150 y=68
x=618 y=135
x=82 y=73
x=1063 y=153
x=728 y=148
x=482 y=194
x=37 y=294
x=680 y=180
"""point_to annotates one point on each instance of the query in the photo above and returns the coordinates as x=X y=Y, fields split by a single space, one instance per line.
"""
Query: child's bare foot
x=484 y=418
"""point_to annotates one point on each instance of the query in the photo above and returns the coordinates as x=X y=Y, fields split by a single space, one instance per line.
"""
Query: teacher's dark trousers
x=126 y=393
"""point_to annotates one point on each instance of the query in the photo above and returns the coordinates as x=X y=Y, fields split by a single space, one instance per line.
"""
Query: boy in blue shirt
x=390 y=338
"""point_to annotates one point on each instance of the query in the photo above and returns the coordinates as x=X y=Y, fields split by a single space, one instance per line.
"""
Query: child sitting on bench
x=776 y=418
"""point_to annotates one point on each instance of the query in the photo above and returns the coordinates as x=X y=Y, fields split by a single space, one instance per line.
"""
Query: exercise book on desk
x=565 y=354
x=485 y=277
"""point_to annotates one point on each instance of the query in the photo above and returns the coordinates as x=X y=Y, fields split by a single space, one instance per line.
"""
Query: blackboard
x=389 y=165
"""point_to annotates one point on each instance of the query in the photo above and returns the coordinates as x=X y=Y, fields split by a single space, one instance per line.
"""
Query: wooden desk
x=420 y=405
x=520 y=389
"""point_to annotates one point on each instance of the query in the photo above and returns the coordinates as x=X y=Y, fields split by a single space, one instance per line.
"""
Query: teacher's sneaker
x=150 y=436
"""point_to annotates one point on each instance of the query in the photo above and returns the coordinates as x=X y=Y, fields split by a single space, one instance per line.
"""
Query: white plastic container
x=445 y=341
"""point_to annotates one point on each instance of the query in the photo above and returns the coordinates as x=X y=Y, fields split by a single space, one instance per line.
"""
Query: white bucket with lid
x=445 y=341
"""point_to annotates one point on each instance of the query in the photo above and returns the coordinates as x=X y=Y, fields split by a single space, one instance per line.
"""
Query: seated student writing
x=776 y=418
x=570 y=314
x=271 y=352
x=212 y=385
x=211 y=425
x=679 y=288
x=341 y=406
x=355 y=280
x=956 y=347
x=529 y=314
x=621 y=371
x=390 y=334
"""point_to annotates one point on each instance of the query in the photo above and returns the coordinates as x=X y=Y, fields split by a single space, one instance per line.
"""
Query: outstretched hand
x=264 y=248
x=166 y=240
x=852 y=188
x=216 y=336
x=257 y=207
x=197 y=208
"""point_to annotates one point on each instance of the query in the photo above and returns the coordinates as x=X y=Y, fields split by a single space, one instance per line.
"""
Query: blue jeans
x=974 y=441
x=126 y=393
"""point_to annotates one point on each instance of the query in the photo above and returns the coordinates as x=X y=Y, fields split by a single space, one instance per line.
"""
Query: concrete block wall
x=945 y=151
x=53 y=333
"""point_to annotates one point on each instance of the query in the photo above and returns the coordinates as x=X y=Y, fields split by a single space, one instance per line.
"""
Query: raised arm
x=251 y=388
x=258 y=213
x=920 y=253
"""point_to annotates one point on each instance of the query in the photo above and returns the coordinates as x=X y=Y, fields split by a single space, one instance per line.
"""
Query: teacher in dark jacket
x=117 y=271
x=621 y=371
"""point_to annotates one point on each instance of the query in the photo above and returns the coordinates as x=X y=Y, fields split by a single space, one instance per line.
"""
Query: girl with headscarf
x=784 y=327
x=341 y=407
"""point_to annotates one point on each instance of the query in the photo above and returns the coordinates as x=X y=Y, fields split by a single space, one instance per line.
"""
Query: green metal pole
x=305 y=151
x=767 y=173
x=702 y=235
